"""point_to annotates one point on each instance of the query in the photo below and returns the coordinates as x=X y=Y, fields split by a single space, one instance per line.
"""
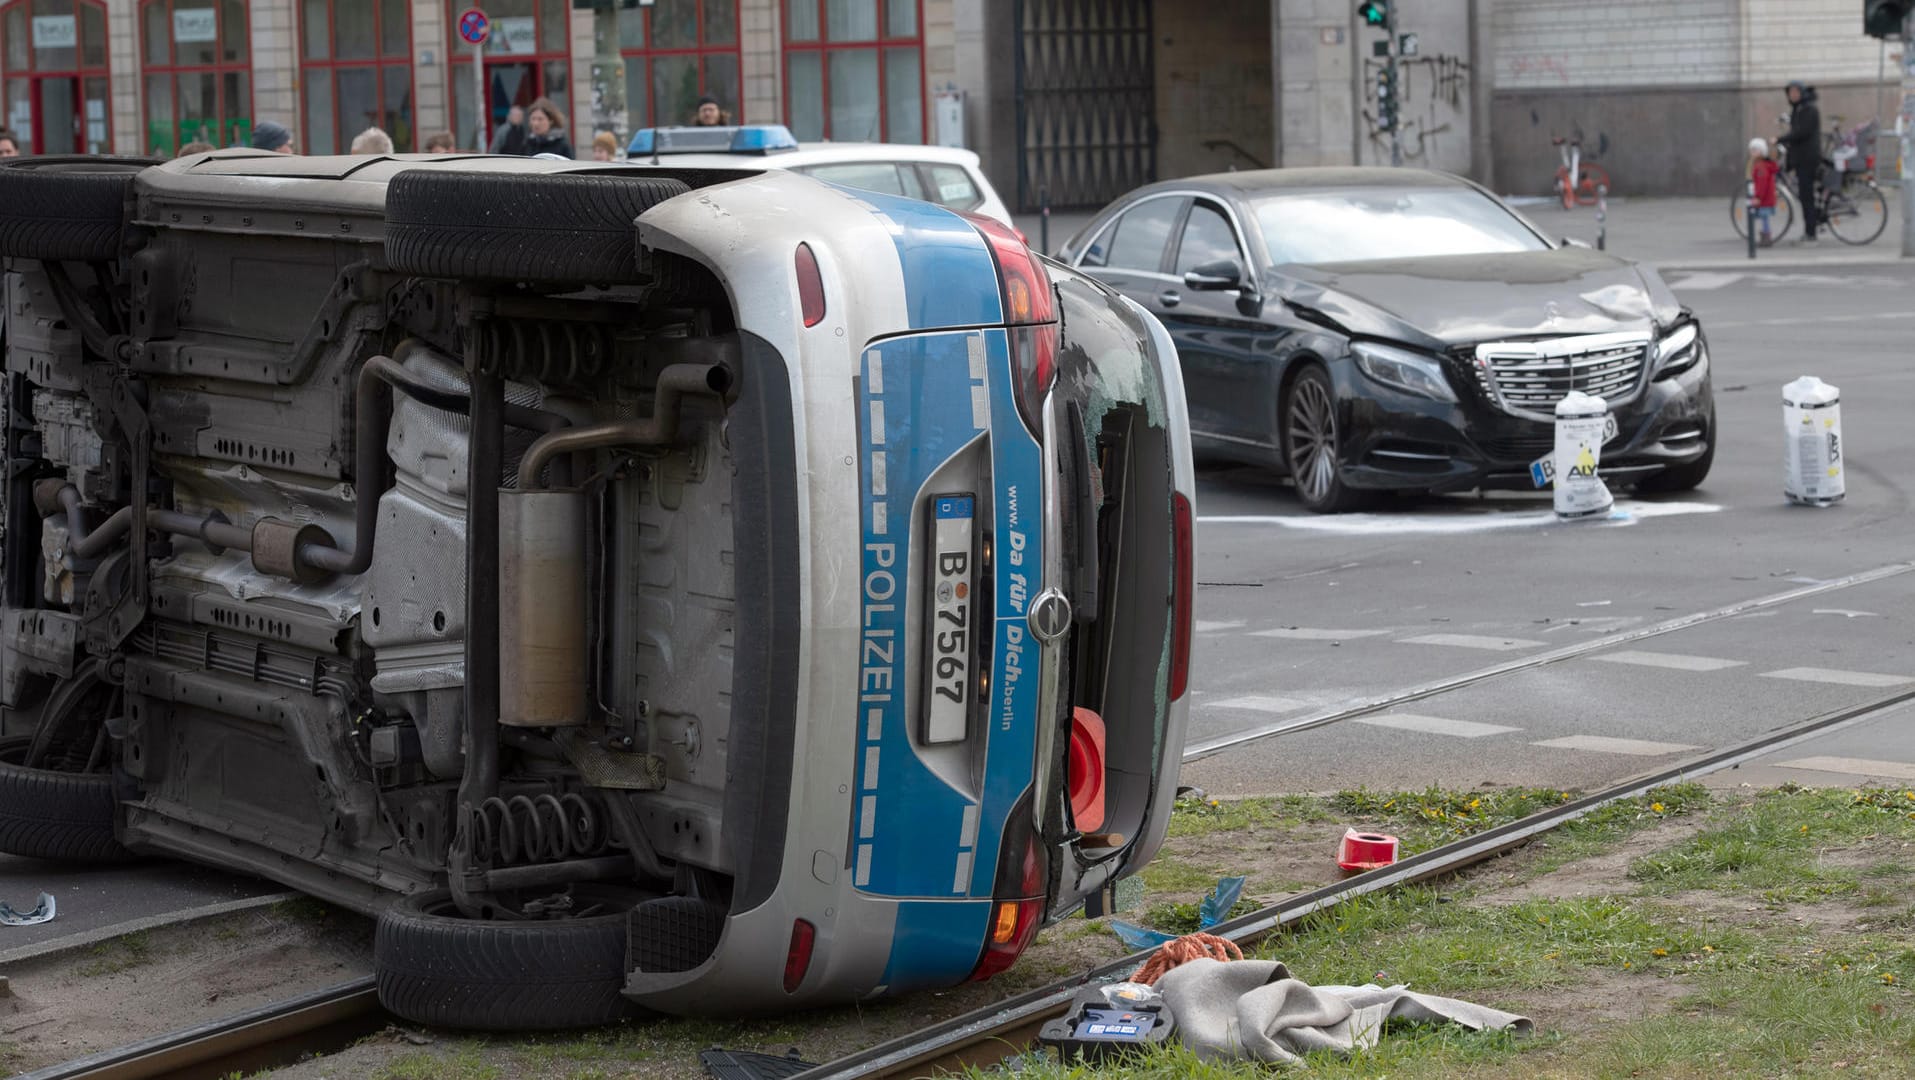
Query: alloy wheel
x=1312 y=437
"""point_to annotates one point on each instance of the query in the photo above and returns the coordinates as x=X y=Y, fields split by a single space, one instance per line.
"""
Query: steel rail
x=990 y=1035
x=209 y=1048
x=1364 y=706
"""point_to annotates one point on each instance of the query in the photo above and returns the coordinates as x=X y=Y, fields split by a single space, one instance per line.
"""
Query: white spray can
x=1812 y=442
x=1579 y=438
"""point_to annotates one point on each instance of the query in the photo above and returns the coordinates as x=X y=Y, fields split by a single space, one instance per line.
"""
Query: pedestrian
x=9 y=143
x=197 y=147
x=1762 y=173
x=442 y=143
x=709 y=114
x=545 y=130
x=604 y=146
x=510 y=138
x=268 y=135
x=1803 y=144
x=372 y=141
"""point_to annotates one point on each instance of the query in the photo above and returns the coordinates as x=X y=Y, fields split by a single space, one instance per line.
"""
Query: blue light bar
x=745 y=139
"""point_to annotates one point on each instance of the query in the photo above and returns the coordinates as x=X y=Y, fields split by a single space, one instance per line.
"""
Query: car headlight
x=1679 y=350
x=1403 y=369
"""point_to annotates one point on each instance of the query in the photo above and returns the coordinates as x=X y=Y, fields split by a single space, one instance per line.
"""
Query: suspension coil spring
x=541 y=350
x=524 y=829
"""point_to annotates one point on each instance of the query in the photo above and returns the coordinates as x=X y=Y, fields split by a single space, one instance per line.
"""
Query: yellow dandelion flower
x=1658 y=952
x=1656 y=806
x=1626 y=965
x=1888 y=977
x=1708 y=948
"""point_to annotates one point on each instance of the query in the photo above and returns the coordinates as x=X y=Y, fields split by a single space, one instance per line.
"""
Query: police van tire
x=66 y=207
x=562 y=228
x=436 y=968
x=44 y=814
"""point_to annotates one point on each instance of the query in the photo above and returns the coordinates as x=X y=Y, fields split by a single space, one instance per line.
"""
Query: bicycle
x=1848 y=201
x=1590 y=182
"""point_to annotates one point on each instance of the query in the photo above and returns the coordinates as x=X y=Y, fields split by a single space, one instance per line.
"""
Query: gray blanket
x=1253 y=1009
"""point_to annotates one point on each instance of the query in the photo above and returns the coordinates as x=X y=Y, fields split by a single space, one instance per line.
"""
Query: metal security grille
x=1528 y=378
x=1086 y=101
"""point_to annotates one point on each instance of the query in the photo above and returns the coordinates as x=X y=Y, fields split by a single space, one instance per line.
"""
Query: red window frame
x=81 y=72
x=172 y=69
x=458 y=69
x=701 y=51
x=824 y=46
x=379 y=63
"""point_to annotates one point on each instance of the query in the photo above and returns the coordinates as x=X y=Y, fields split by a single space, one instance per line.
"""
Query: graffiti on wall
x=1430 y=90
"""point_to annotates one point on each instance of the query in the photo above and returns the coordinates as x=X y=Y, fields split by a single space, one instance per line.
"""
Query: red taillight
x=1013 y=925
x=1183 y=542
x=811 y=286
x=1028 y=302
x=798 y=957
x=1019 y=908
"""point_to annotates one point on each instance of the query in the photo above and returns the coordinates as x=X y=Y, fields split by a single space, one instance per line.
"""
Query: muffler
x=543 y=674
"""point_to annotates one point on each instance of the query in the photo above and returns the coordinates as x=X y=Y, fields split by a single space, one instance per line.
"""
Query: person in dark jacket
x=510 y=138
x=1804 y=145
x=545 y=125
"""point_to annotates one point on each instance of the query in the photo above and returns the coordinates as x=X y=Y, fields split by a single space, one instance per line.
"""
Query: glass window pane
x=555 y=26
x=558 y=86
x=320 y=137
x=395 y=27
x=93 y=35
x=674 y=87
x=234 y=44
x=514 y=28
x=352 y=30
x=851 y=20
x=879 y=176
x=805 y=95
x=160 y=136
x=638 y=98
x=900 y=18
x=236 y=109
x=398 y=108
x=465 y=123
x=55 y=31
x=195 y=30
x=631 y=28
x=20 y=111
x=913 y=183
x=199 y=107
x=903 y=97
x=156 y=31
x=801 y=20
x=317 y=34
x=721 y=82
x=674 y=24
x=358 y=101
x=1207 y=239
x=721 y=22
x=1141 y=233
x=94 y=99
x=854 y=95
x=951 y=186
x=58 y=134
x=16 y=35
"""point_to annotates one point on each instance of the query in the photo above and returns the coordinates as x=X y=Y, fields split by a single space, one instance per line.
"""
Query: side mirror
x=1570 y=241
x=1219 y=276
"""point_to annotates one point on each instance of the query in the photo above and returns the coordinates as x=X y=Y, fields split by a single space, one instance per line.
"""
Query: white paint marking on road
x=1900 y=770
x=1846 y=613
x=1260 y=704
x=1673 y=661
x=1604 y=744
x=1841 y=678
x=1434 y=725
x=1311 y=633
x=1706 y=281
x=1625 y=512
x=1204 y=626
x=1472 y=641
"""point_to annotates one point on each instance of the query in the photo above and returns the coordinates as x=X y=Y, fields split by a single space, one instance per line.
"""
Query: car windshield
x=1395 y=223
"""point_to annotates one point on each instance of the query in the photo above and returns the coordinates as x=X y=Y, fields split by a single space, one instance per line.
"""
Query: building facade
x=149 y=76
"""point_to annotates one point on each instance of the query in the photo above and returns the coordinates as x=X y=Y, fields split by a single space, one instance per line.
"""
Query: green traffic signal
x=1374 y=12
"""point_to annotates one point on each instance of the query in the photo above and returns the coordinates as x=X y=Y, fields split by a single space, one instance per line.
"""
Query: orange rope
x=1189 y=947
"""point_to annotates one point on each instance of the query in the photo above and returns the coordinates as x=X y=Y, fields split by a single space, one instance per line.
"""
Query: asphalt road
x=1298 y=613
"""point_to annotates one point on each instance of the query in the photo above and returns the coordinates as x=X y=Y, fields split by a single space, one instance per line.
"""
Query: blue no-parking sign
x=474 y=26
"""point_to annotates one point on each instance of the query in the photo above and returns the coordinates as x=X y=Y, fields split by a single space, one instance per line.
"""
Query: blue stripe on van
x=935 y=943
x=950 y=278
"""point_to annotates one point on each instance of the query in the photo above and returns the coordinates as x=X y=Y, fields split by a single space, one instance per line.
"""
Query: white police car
x=711 y=589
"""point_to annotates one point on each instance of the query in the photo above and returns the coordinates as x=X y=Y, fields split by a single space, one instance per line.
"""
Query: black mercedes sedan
x=1373 y=329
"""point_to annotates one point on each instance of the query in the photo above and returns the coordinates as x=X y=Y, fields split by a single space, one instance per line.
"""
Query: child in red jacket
x=1762 y=173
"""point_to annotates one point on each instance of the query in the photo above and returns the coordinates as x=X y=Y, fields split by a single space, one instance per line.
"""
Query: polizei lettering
x=877 y=656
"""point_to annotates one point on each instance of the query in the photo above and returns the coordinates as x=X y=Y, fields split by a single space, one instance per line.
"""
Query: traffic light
x=1374 y=12
x=1884 y=18
x=1386 y=99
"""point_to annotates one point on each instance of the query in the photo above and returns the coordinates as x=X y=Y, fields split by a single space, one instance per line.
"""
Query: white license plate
x=1543 y=469
x=948 y=636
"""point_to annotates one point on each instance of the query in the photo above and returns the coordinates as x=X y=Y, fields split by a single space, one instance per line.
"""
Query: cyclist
x=1804 y=146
